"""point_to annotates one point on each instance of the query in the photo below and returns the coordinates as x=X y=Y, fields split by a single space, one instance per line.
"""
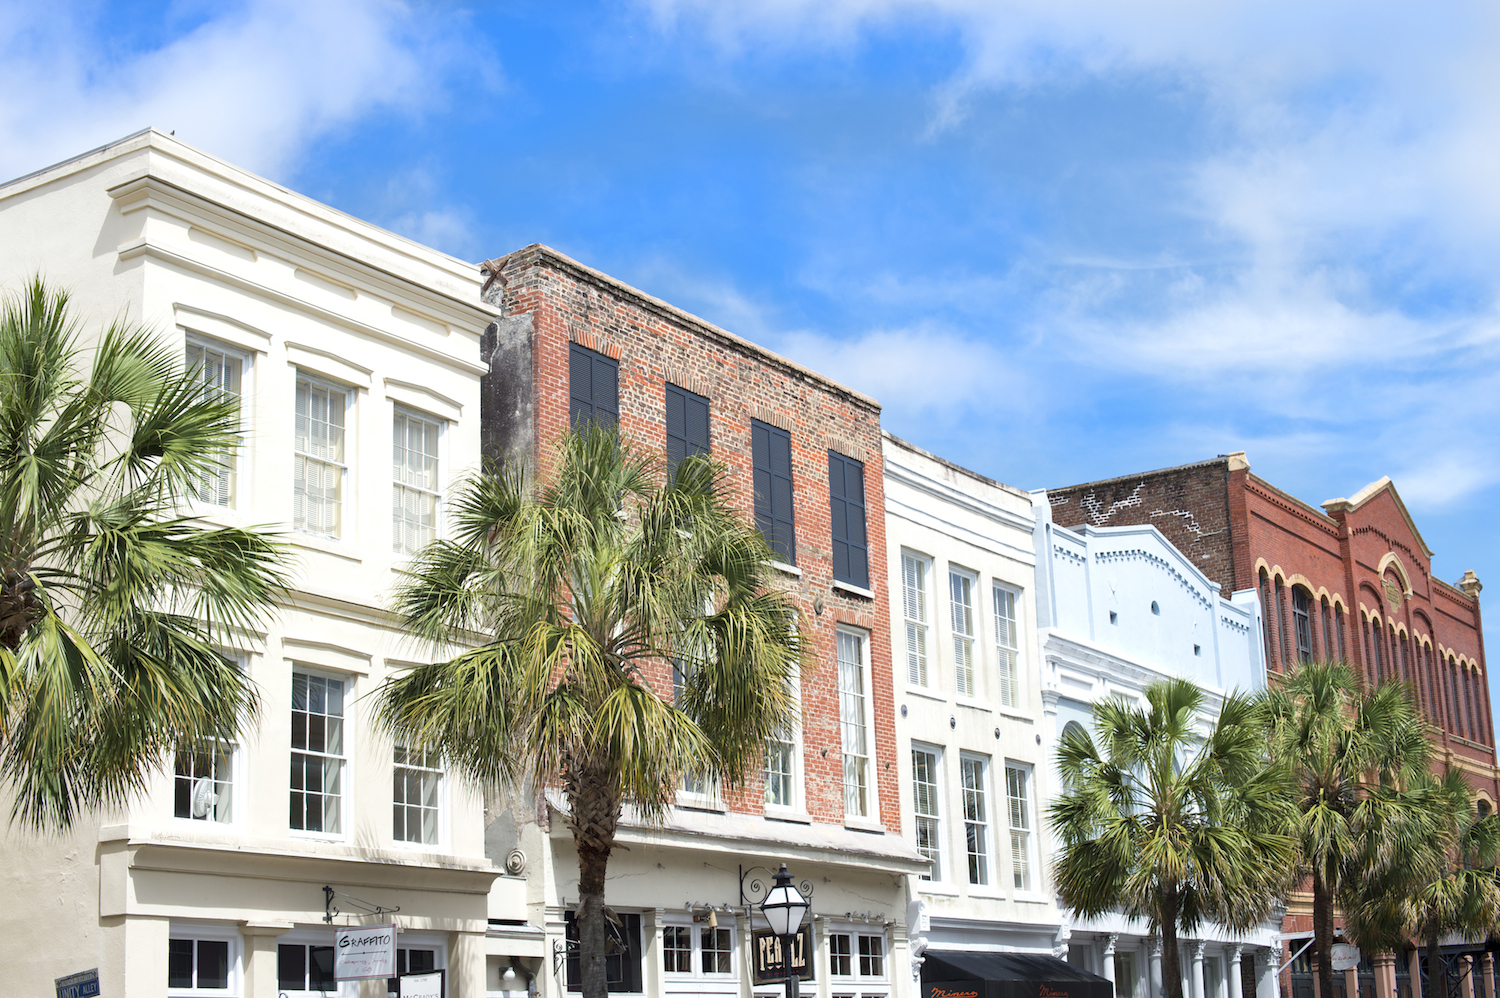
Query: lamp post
x=784 y=907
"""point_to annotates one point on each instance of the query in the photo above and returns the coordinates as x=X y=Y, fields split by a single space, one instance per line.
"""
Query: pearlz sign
x=364 y=952
x=770 y=966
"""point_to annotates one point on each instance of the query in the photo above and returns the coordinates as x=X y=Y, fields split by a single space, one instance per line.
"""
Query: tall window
x=846 y=512
x=1265 y=608
x=1325 y=614
x=414 y=505
x=1007 y=645
x=1339 y=615
x=687 y=425
x=781 y=769
x=1375 y=650
x=1124 y=975
x=198 y=965
x=219 y=371
x=677 y=949
x=976 y=819
x=300 y=967
x=1017 y=780
x=1302 y=617
x=718 y=950
x=417 y=780
x=203 y=782
x=856 y=955
x=961 y=605
x=1286 y=656
x=914 y=609
x=593 y=388
x=925 y=777
x=853 y=725
x=318 y=457
x=317 y=753
x=771 y=464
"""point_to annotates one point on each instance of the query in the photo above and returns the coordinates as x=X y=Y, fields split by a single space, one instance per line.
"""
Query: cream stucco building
x=356 y=354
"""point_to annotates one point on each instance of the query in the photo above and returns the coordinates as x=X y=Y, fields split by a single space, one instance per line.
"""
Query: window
x=417 y=777
x=845 y=947
x=914 y=609
x=1302 y=619
x=414 y=492
x=961 y=605
x=687 y=425
x=1375 y=649
x=1007 y=646
x=411 y=961
x=840 y=963
x=203 y=783
x=871 y=956
x=593 y=389
x=781 y=772
x=846 y=511
x=622 y=965
x=1155 y=608
x=771 y=464
x=302 y=967
x=318 y=457
x=677 y=949
x=925 y=779
x=317 y=753
x=1325 y=616
x=1124 y=975
x=220 y=372
x=853 y=723
x=718 y=951
x=976 y=819
x=195 y=965
x=1017 y=797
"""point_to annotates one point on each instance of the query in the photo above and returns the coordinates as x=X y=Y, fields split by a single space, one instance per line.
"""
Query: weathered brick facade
x=550 y=301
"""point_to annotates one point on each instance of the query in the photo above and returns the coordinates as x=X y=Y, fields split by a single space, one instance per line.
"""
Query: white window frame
x=438 y=494
x=436 y=941
x=346 y=480
x=1033 y=873
x=987 y=825
x=727 y=983
x=213 y=933
x=864 y=986
x=238 y=455
x=237 y=770
x=871 y=811
x=798 y=804
x=936 y=873
x=441 y=771
x=917 y=620
x=1012 y=689
x=966 y=676
x=346 y=773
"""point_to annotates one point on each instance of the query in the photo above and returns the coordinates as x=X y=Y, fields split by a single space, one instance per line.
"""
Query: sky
x=1059 y=241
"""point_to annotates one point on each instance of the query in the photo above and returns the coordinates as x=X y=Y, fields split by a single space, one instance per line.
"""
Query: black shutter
x=687 y=425
x=846 y=509
x=622 y=964
x=593 y=388
x=771 y=464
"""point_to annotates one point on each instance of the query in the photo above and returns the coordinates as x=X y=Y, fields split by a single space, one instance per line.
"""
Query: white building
x=971 y=725
x=1119 y=608
x=356 y=354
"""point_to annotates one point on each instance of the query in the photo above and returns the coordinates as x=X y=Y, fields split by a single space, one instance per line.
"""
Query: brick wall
x=555 y=301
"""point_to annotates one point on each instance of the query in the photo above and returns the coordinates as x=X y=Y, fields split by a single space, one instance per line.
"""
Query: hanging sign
x=422 y=985
x=84 y=984
x=1344 y=957
x=766 y=950
x=363 y=952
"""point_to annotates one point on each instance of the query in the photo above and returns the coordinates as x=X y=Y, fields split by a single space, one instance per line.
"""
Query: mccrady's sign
x=363 y=952
x=767 y=948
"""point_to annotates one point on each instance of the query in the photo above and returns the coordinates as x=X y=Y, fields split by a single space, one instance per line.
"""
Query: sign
x=363 y=952
x=84 y=984
x=770 y=965
x=954 y=989
x=422 y=985
x=1343 y=956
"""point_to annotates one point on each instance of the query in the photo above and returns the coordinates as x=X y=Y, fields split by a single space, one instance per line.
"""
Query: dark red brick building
x=804 y=454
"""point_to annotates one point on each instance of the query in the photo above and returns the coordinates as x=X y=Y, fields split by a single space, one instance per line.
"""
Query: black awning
x=963 y=974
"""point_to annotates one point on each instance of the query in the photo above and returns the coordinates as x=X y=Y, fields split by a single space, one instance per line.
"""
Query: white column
x=1267 y=960
x=1156 y=991
x=1236 y=983
x=1195 y=981
x=1109 y=961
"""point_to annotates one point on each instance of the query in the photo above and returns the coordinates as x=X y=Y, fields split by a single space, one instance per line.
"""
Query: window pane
x=179 y=963
x=291 y=967
x=213 y=963
x=914 y=607
x=853 y=724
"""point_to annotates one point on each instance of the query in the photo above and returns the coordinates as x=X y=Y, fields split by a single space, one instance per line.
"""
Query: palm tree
x=1169 y=825
x=111 y=602
x=1364 y=804
x=588 y=592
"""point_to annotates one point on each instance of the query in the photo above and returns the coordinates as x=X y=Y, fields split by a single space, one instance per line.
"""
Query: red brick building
x=805 y=456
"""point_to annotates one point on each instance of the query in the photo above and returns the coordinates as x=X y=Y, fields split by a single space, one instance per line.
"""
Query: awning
x=964 y=974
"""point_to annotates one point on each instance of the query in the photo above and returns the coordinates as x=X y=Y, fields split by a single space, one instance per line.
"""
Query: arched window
x=1339 y=613
x=1282 y=645
x=1302 y=622
x=1406 y=675
x=1455 y=710
x=1265 y=611
x=1074 y=728
x=1325 y=617
x=1427 y=679
x=1469 y=700
x=1377 y=673
x=1482 y=808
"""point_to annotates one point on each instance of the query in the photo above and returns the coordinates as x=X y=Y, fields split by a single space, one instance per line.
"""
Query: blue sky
x=1060 y=241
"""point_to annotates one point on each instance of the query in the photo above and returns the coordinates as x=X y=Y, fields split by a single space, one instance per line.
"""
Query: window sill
x=926 y=694
x=864 y=825
x=297 y=833
x=974 y=703
x=698 y=804
x=786 y=569
x=328 y=545
x=1011 y=713
x=852 y=589
x=774 y=813
x=937 y=887
x=1030 y=897
x=982 y=892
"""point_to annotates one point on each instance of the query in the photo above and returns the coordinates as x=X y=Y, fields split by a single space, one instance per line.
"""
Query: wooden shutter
x=846 y=510
x=593 y=388
x=687 y=425
x=771 y=463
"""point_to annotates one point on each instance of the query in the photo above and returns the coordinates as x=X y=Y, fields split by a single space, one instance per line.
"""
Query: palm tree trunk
x=1323 y=934
x=1171 y=960
x=594 y=804
x=1437 y=970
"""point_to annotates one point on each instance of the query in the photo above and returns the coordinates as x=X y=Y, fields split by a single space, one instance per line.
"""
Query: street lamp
x=784 y=907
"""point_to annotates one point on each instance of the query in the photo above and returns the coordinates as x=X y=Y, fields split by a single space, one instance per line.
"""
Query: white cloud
x=253 y=84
